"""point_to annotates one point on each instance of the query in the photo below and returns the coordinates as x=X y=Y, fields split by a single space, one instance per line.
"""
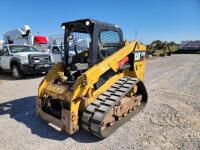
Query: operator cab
x=87 y=42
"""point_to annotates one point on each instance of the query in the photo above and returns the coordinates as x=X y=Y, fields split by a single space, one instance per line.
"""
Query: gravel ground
x=169 y=121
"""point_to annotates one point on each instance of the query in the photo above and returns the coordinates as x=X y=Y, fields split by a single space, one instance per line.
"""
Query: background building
x=190 y=45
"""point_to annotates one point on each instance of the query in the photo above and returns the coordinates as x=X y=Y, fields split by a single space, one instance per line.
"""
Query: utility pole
x=136 y=34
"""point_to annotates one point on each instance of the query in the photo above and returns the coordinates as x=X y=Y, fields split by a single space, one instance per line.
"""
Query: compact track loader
x=99 y=83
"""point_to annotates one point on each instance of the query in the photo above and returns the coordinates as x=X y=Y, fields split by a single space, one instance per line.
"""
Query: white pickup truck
x=22 y=59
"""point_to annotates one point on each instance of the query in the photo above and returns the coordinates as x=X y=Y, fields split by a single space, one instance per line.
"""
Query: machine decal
x=139 y=56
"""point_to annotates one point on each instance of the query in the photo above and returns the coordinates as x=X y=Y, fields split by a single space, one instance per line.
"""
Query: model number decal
x=139 y=56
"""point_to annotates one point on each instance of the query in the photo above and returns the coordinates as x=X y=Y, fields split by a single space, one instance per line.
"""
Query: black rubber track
x=95 y=113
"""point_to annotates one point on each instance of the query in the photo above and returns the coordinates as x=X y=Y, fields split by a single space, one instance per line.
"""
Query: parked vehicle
x=56 y=46
x=23 y=59
x=56 y=52
x=23 y=37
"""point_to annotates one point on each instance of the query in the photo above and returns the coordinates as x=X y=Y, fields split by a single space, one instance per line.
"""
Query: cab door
x=5 y=58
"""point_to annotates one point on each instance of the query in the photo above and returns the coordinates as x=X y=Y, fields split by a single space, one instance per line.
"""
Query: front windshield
x=17 y=49
x=78 y=49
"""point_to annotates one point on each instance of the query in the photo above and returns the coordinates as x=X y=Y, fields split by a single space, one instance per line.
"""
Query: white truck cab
x=56 y=52
x=23 y=59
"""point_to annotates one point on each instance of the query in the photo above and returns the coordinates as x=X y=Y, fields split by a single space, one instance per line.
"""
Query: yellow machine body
x=82 y=92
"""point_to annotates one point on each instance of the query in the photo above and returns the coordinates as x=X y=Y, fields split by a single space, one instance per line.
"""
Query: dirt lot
x=171 y=119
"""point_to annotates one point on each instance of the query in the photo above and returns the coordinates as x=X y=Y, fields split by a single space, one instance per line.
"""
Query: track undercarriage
x=114 y=107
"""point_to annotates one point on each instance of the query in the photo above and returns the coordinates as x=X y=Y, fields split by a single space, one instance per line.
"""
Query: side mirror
x=5 y=51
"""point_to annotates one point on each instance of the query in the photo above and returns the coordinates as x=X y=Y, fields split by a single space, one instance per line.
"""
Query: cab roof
x=92 y=21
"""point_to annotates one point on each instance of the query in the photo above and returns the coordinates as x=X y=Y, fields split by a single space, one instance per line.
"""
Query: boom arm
x=17 y=34
x=91 y=76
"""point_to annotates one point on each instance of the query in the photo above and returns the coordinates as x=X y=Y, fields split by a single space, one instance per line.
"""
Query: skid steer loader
x=99 y=83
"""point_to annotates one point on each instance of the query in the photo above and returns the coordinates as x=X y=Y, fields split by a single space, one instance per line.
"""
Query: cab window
x=109 y=43
x=56 y=50
x=109 y=38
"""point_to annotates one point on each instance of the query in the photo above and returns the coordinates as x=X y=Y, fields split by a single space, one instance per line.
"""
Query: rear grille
x=39 y=59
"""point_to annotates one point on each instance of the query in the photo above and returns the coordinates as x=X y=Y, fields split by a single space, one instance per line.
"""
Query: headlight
x=24 y=59
x=87 y=23
x=63 y=27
